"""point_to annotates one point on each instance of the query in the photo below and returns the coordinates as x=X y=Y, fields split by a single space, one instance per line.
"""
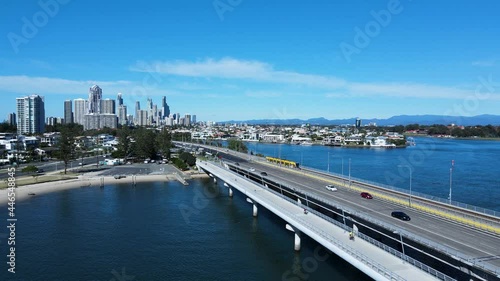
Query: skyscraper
x=119 y=99
x=95 y=96
x=12 y=119
x=137 y=108
x=108 y=106
x=30 y=115
x=68 y=112
x=122 y=114
x=164 y=107
x=81 y=107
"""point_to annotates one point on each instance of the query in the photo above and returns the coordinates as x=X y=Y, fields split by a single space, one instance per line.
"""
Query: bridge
x=373 y=261
x=449 y=241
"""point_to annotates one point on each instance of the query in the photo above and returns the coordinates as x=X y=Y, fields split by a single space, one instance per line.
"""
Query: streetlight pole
x=451 y=175
x=328 y=169
x=411 y=172
x=402 y=244
x=349 y=172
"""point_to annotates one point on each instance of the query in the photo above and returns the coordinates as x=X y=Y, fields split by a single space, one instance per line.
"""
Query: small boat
x=31 y=193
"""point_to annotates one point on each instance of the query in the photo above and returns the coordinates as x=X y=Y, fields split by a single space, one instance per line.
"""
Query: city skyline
x=255 y=60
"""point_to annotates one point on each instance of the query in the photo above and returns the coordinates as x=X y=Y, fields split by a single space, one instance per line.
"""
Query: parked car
x=366 y=195
x=119 y=177
x=263 y=173
x=400 y=215
x=331 y=187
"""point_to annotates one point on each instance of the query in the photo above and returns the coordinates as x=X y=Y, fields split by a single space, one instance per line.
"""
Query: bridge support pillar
x=297 y=240
x=255 y=210
x=215 y=180
x=230 y=192
x=296 y=243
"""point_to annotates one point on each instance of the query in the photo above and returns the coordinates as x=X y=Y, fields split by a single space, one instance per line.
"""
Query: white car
x=252 y=170
x=331 y=187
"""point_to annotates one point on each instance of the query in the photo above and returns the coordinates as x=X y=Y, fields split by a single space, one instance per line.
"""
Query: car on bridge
x=400 y=215
x=366 y=195
x=252 y=170
x=331 y=187
x=263 y=173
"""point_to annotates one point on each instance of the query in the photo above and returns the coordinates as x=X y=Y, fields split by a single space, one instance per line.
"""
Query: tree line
x=133 y=143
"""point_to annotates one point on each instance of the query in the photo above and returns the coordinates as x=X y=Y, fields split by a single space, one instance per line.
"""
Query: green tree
x=144 y=146
x=66 y=145
x=237 y=145
x=124 y=147
x=164 y=142
x=5 y=127
x=30 y=169
x=188 y=158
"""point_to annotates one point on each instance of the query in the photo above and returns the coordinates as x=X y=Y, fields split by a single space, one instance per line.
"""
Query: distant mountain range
x=485 y=119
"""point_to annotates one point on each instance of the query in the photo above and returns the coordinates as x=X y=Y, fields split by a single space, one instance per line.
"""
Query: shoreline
x=22 y=192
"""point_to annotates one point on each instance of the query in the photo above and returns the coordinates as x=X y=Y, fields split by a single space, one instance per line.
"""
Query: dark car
x=366 y=195
x=400 y=215
x=263 y=173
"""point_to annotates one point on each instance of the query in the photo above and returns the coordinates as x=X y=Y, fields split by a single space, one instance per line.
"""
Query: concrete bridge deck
x=372 y=260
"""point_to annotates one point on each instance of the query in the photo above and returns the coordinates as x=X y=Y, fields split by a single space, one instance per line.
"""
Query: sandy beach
x=22 y=192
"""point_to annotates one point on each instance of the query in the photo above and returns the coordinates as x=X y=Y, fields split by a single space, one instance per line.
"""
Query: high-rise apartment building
x=119 y=99
x=81 y=107
x=68 y=112
x=11 y=119
x=193 y=119
x=142 y=118
x=122 y=114
x=108 y=106
x=95 y=96
x=164 y=108
x=187 y=120
x=30 y=115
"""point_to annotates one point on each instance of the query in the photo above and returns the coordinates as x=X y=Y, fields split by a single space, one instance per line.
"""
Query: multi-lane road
x=53 y=166
x=477 y=247
x=458 y=238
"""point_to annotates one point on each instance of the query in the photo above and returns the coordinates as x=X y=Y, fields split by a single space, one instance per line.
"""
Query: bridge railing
x=426 y=242
x=418 y=239
x=357 y=255
x=413 y=193
x=376 y=243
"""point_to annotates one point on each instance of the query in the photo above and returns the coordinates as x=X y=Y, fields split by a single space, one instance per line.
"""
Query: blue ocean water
x=475 y=174
x=159 y=231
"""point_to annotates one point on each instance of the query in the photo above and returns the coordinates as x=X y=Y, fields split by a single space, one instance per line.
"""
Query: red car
x=366 y=195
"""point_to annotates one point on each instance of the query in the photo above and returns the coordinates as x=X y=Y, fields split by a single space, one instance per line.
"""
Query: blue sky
x=242 y=59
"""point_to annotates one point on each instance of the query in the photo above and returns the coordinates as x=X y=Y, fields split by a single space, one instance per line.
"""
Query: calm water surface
x=475 y=175
x=159 y=231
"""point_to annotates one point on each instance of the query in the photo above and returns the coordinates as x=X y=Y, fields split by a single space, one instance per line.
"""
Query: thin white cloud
x=42 y=85
x=263 y=94
x=484 y=63
x=234 y=69
x=406 y=90
x=229 y=68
